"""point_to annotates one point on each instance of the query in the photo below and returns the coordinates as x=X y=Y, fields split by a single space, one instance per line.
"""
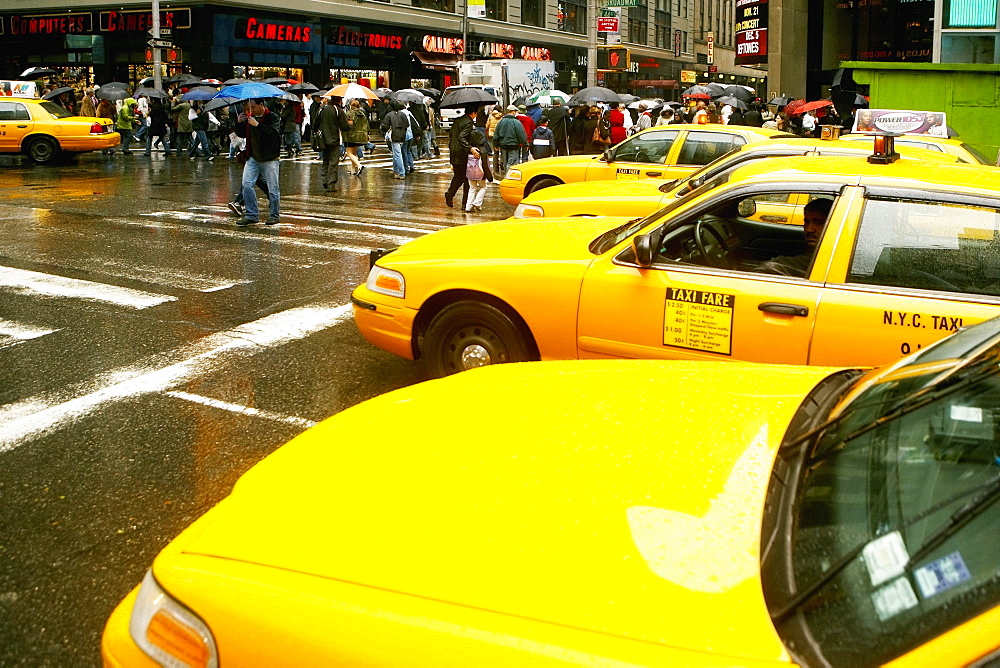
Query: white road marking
x=47 y=285
x=13 y=333
x=37 y=416
x=244 y=410
x=251 y=232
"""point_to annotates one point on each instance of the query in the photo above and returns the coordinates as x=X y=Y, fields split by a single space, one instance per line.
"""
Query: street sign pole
x=157 y=77
x=591 y=43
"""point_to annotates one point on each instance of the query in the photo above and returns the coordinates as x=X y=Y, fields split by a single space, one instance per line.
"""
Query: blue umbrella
x=199 y=93
x=247 y=91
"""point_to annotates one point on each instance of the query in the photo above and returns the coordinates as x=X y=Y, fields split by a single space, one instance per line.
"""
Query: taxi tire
x=541 y=184
x=470 y=326
x=43 y=150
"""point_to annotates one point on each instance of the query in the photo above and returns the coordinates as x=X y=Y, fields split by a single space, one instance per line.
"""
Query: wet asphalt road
x=151 y=352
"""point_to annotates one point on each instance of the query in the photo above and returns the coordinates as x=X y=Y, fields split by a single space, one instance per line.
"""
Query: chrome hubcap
x=475 y=355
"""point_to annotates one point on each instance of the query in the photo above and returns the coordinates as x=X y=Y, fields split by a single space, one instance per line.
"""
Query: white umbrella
x=351 y=91
x=649 y=103
x=544 y=97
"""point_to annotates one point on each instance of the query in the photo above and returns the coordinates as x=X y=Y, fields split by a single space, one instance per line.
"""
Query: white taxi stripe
x=48 y=285
x=244 y=410
x=43 y=414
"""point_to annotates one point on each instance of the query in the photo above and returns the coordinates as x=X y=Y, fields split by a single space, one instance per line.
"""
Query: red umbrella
x=812 y=106
x=699 y=96
x=793 y=106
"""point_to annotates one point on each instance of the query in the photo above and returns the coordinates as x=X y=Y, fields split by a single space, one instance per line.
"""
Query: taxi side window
x=701 y=148
x=12 y=111
x=651 y=147
x=928 y=245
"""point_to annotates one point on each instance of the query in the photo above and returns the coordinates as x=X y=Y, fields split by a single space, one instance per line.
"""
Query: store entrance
x=261 y=72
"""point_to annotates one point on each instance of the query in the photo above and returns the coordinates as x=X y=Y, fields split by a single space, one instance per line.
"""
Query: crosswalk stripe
x=39 y=415
x=12 y=333
x=244 y=410
x=48 y=285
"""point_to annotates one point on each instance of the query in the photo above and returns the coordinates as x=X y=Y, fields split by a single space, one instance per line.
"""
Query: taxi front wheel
x=468 y=334
x=542 y=183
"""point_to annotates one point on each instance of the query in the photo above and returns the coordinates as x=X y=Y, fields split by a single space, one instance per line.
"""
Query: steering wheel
x=724 y=259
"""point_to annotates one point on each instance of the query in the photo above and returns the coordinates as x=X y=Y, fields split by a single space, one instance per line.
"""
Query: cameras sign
x=751 y=32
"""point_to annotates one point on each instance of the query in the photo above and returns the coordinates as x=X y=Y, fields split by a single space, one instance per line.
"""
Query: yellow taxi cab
x=950 y=145
x=625 y=512
x=909 y=252
x=641 y=198
x=662 y=152
x=43 y=131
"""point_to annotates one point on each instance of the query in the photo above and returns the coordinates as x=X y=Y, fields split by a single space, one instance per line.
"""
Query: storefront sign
x=436 y=44
x=253 y=28
x=677 y=44
x=51 y=24
x=751 y=32
x=138 y=20
x=690 y=76
x=347 y=37
x=535 y=53
x=494 y=49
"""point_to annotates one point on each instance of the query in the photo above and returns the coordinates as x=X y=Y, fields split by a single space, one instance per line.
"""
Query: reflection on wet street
x=151 y=351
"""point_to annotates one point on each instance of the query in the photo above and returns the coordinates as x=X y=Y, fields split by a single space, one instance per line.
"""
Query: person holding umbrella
x=332 y=125
x=126 y=123
x=459 y=148
x=558 y=117
x=181 y=109
x=262 y=130
x=158 y=121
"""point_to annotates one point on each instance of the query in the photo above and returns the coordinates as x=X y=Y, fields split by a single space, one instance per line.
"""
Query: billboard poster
x=18 y=89
x=878 y=121
x=751 y=32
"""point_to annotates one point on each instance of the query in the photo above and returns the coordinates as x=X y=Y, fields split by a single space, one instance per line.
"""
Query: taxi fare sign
x=699 y=320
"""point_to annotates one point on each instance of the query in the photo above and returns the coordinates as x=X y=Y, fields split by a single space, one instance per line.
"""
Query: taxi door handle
x=22 y=126
x=653 y=175
x=784 y=309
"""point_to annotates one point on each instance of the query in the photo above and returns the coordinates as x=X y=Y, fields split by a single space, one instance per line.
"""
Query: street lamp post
x=592 y=8
x=157 y=77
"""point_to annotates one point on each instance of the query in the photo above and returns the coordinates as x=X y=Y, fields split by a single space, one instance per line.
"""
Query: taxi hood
x=541 y=239
x=590 y=190
x=617 y=497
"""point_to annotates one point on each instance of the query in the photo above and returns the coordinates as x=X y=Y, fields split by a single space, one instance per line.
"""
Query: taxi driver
x=814 y=214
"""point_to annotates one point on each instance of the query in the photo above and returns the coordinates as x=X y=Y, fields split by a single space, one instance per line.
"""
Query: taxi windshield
x=894 y=517
x=608 y=240
x=54 y=109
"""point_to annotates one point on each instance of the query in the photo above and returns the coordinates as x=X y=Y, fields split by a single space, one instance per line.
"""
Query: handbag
x=597 y=138
x=318 y=142
x=474 y=169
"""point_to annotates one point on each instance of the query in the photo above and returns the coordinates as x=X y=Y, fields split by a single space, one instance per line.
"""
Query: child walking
x=478 y=173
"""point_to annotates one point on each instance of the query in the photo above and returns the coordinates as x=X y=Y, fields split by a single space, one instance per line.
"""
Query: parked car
x=615 y=512
x=43 y=131
x=663 y=152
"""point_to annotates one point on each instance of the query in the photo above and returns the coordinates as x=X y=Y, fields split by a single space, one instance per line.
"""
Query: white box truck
x=507 y=79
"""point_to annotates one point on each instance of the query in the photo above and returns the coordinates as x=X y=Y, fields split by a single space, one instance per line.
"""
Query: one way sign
x=164 y=32
x=159 y=43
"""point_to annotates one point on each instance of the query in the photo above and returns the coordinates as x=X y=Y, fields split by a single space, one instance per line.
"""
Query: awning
x=437 y=61
x=653 y=83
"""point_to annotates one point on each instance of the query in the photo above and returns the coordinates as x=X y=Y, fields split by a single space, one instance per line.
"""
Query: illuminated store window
x=970 y=13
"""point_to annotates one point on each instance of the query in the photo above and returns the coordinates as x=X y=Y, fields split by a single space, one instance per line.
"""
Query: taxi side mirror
x=747 y=207
x=644 y=247
x=609 y=155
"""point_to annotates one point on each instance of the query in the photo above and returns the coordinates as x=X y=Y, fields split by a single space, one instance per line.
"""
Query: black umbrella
x=183 y=79
x=113 y=93
x=147 y=81
x=37 y=73
x=57 y=92
x=219 y=102
x=780 y=100
x=430 y=92
x=150 y=93
x=732 y=102
x=465 y=97
x=114 y=84
x=275 y=81
x=740 y=93
x=304 y=87
x=409 y=95
x=233 y=82
x=593 y=94
x=697 y=90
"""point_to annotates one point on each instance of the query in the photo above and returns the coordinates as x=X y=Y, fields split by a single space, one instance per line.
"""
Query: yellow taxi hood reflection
x=616 y=497
x=587 y=189
x=548 y=239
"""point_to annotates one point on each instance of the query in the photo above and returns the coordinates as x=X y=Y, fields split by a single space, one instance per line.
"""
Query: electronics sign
x=751 y=32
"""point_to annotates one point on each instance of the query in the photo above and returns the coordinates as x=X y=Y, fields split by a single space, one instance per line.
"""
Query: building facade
x=395 y=43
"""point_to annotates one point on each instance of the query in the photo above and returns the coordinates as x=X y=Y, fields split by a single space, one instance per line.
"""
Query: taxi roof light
x=883 y=150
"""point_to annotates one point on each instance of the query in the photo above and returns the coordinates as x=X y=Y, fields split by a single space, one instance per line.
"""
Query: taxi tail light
x=884 y=151
x=97 y=129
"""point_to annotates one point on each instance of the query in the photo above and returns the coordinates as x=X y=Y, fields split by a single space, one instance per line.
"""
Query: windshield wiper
x=990 y=492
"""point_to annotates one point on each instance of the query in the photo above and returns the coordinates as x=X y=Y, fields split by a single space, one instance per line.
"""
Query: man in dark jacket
x=558 y=116
x=332 y=124
x=459 y=148
x=395 y=124
x=510 y=136
x=262 y=130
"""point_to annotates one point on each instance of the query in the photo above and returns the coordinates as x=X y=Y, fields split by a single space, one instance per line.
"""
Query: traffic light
x=612 y=58
x=173 y=55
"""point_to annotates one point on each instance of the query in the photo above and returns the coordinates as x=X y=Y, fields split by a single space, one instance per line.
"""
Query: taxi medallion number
x=699 y=320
